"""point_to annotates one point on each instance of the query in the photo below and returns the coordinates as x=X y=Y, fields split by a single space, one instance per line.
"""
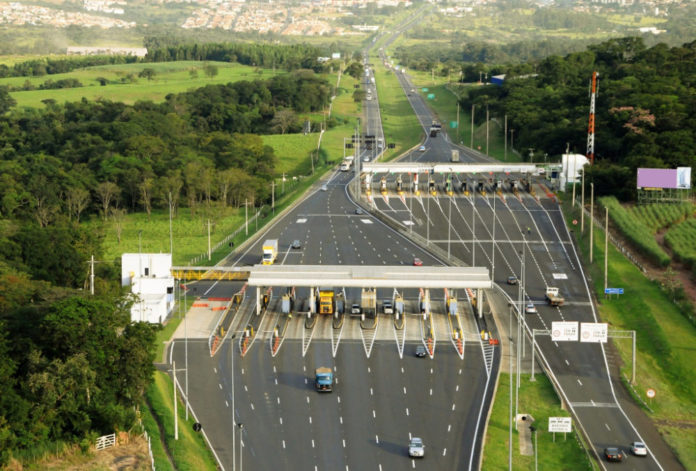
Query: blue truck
x=323 y=381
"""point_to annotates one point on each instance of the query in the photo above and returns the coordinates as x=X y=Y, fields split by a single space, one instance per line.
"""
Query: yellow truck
x=326 y=301
x=270 y=251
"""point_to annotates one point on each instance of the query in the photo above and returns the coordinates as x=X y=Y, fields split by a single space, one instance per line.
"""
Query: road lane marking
x=452 y=406
x=219 y=385
x=460 y=371
x=431 y=391
x=409 y=435
x=283 y=444
x=276 y=381
x=377 y=441
x=567 y=363
x=242 y=370
x=449 y=427
x=579 y=382
x=339 y=399
x=413 y=463
x=402 y=369
x=374 y=415
x=252 y=405
x=368 y=369
x=215 y=370
x=371 y=392
x=444 y=452
x=310 y=419
x=245 y=388
x=407 y=411
x=274 y=368
x=457 y=388
x=305 y=381
x=281 y=420
x=313 y=445
x=278 y=400
x=431 y=371
x=607 y=426
x=307 y=399
x=340 y=419
x=404 y=389
x=344 y=445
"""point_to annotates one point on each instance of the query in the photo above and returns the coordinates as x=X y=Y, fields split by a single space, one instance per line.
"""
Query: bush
x=682 y=240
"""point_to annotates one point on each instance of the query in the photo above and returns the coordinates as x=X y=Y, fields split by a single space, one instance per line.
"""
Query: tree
x=119 y=216
x=6 y=101
x=148 y=73
x=145 y=188
x=283 y=120
x=210 y=70
x=107 y=193
x=76 y=200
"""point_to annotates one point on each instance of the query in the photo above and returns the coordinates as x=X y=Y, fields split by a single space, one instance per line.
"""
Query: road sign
x=560 y=424
x=575 y=222
x=431 y=96
x=613 y=290
x=650 y=393
x=564 y=331
x=453 y=124
x=593 y=332
x=424 y=89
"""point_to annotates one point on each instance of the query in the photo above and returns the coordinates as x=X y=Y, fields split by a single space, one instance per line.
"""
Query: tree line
x=645 y=110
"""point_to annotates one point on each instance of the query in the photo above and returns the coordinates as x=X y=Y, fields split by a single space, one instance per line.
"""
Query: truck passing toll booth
x=270 y=251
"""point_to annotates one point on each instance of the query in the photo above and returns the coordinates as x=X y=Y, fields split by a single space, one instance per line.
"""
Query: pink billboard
x=679 y=178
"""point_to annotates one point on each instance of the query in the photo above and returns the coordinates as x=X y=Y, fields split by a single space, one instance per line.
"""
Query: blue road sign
x=613 y=291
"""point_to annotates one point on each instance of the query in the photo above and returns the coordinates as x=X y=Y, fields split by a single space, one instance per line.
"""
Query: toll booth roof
x=379 y=276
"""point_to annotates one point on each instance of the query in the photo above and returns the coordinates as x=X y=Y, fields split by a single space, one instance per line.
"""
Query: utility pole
x=273 y=196
x=574 y=178
x=427 y=221
x=457 y=119
x=606 y=246
x=171 y=239
x=472 y=126
x=510 y=410
x=209 y=251
x=449 y=227
x=487 y=129
x=512 y=140
x=591 y=218
x=91 y=276
x=582 y=203
x=234 y=422
x=493 y=246
x=356 y=159
x=176 y=413
x=506 y=134
x=246 y=216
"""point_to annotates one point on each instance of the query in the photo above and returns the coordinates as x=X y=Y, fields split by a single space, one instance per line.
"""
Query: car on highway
x=359 y=211
x=416 y=449
x=324 y=188
x=366 y=158
x=355 y=310
x=417 y=262
x=614 y=454
x=639 y=449
x=421 y=351
x=530 y=309
x=296 y=244
x=387 y=307
x=512 y=280
x=421 y=148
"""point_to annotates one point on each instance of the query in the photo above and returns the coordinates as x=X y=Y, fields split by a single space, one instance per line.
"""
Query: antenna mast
x=591 y=126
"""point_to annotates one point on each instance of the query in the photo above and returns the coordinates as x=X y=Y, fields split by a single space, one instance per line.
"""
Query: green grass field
x=400 y=125
x=538 y=399
x=665 y=343
x=170 y=77
x=292 y=151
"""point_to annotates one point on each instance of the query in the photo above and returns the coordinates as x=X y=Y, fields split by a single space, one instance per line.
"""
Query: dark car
x=512 y=280
x=296 y=244
x=614 y=454
x=421 y=351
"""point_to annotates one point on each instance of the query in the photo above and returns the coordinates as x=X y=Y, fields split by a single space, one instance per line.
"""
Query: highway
x=463 y=226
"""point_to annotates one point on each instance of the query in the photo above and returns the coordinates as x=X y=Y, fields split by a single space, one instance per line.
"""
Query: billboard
x=593 y=332
x=679 y=178
x=564 y=331
x=560 y=424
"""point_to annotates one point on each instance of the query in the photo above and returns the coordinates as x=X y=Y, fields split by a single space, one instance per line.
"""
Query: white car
x=639 y=449
x=421 y=148
x=416 y=449
x=324 y=188
x=530 y=309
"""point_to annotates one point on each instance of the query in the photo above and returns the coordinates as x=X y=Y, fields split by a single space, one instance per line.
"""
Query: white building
x=149 y=276
x=572 y=165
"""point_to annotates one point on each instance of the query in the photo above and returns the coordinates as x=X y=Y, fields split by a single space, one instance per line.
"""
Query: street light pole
x=449 y=227
x=510 y=378
x=472 y=126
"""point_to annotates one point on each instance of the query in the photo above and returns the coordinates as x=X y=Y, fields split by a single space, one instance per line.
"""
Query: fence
x=106 y=441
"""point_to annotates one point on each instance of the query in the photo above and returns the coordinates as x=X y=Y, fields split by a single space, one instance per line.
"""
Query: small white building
x=150 y=278
x=571 y=169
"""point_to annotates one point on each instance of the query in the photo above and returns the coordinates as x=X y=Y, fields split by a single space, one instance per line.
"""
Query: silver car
x=416 y=449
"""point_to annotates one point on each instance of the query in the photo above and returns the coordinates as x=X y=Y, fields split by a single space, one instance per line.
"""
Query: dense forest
x=645 y=110
x=74 y=366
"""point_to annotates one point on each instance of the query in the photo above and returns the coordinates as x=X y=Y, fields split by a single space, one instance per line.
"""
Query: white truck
x=454 y=157
x=552 y=296
x=347 y=163
x=270 y=251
